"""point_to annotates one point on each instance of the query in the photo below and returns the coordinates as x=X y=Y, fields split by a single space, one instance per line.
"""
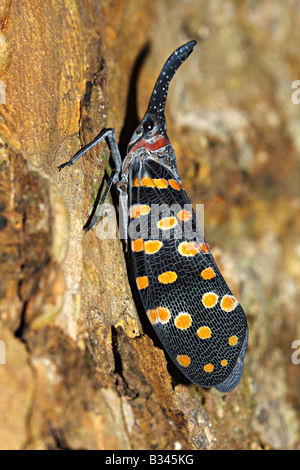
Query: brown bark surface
x=81 y=372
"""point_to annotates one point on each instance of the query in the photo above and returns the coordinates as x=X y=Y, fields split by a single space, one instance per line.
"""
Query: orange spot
x=174 y=185
x=183 y=360
x=159 y=314
x=137 y=210
x=136 y=183
x=208 y=368
x=152 y=315
x=203 y=248
x=224 y=363
x=184 y=215
x=142 y=282
x=168 y=277
x=233 y=340
x=204 y=332
x=161 y=183
x=163 y=314
x=183 y=321
x=147 y=182
x=209 y=299
x=228 y=303
x=144 y=209
x=208 y=273
x=137 y=245
x=152 y=246
x=188 y=249
x=166 y=223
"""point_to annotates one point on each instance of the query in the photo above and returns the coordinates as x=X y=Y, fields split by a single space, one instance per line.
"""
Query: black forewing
x=186 y=292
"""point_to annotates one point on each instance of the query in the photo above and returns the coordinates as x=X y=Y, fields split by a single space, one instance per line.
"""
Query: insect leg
x=113 y=179
x=110 y=134
x=123 y=212
x=123 y=206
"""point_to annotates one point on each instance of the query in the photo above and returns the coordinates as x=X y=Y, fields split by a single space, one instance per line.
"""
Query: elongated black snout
x=159 y=95
x=154 y=121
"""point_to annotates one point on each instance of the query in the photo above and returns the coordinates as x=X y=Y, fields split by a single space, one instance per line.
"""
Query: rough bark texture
x=80 y=371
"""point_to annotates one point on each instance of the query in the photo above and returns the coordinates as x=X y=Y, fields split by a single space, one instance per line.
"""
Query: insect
x=199 y=322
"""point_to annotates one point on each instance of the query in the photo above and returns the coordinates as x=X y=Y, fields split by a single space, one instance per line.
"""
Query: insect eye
x=148 y=125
